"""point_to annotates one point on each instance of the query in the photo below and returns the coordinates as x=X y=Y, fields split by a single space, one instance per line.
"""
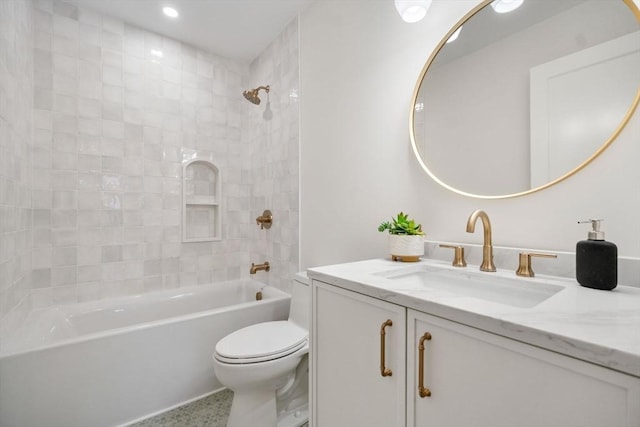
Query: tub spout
x=257 y=267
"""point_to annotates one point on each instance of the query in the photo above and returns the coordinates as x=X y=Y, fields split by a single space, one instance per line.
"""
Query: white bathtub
x=111 y=362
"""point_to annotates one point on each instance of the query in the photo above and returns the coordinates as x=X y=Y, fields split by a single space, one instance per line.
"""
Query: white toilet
x=266 y=367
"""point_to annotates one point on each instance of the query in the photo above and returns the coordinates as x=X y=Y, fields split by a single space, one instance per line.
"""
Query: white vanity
x=488 y=349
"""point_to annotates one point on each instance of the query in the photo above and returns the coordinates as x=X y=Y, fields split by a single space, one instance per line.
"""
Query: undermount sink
x=517 y=292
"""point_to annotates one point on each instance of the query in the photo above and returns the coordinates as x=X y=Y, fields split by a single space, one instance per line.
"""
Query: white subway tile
x=64 y=26
x=64 y=237
x=64 y=199
x=92 y=290
x=111 y=41
x=64 y=295
x=66 y=256
x=61 y=276
x=89 y=237
x=90 y=17
x=133 y=270
x=112 y=76
x=64 y=218
x=89 y=219
x=111 y=253
x=90 y=52
x=89 y=87
x=89 y=255
x=41 y=298
x=89 y=200
x=133 y=234
x=42 y=258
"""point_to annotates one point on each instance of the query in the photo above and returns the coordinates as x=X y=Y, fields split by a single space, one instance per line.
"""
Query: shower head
x=252 y=94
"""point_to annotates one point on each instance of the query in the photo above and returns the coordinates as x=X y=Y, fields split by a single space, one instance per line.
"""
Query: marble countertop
x=602 y=327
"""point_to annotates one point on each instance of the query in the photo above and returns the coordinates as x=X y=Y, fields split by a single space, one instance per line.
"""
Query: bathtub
x=112 y=362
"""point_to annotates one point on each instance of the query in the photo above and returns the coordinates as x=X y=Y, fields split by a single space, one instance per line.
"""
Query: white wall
x=359 y=65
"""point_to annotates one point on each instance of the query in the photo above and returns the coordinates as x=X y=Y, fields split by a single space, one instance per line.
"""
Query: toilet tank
x=300 y=309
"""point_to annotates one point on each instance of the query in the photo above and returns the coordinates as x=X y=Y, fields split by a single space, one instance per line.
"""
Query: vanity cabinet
x=474 y=378
x=348 y=387
x=481 y=379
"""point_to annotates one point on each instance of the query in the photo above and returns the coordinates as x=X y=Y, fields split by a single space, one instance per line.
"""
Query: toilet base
x=259 y=408
x=249 y=407
x=294 y=418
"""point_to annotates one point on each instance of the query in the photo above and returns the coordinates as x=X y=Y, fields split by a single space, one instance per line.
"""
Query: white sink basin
x=517 y=292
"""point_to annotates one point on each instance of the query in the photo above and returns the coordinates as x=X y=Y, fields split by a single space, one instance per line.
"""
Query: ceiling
x=237 y=29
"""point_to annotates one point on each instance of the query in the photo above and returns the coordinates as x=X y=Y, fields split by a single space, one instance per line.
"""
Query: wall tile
x=114 y=179
x=17 y=116
x=64 y=26
x=111 y=126
x=274 y=157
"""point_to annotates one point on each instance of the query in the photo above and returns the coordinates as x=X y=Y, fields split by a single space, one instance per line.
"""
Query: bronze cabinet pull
x=422 y=390
x=385 y=372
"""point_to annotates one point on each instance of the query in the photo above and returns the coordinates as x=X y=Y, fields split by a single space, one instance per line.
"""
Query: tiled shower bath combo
x=92 y=147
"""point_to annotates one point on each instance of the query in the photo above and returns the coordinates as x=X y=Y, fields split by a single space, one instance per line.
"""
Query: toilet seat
x=261 y=342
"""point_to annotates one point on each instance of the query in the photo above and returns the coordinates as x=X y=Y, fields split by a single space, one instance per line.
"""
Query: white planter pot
x=406 y=248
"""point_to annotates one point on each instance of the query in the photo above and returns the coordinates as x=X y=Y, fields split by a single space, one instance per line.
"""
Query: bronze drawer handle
x=385 y=372
x=422 y=390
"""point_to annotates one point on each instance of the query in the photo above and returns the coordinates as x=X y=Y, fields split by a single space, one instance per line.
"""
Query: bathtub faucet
x=257 y=267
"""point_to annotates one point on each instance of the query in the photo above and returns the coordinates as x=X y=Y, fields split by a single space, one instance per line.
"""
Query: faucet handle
x=265 y=220
x=524 y=263
x=458 y=255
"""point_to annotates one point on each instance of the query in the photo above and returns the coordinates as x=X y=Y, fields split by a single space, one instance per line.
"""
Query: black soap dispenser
x=596 y=260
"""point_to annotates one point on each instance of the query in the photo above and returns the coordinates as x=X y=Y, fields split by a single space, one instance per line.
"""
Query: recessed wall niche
x=201 y=210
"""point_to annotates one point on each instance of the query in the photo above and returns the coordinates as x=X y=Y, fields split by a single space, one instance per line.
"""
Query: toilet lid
x=262 y=341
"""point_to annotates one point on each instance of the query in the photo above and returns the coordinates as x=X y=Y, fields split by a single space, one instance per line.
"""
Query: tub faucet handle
x=265 y=220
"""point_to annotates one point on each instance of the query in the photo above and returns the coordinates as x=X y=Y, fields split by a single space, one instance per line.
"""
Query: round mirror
x=511 y=103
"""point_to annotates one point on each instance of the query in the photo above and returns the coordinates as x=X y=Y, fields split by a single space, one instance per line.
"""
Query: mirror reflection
x=521 y=99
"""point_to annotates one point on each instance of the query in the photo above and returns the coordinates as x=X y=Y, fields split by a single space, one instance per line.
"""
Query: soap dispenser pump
x=596 y=260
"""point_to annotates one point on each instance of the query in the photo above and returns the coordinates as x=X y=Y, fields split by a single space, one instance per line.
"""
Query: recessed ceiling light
x=170 y=12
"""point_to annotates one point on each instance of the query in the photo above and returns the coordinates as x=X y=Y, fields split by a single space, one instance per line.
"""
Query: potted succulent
x=406 y=238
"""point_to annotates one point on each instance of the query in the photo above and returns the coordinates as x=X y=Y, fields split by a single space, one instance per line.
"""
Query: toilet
x=266 y=366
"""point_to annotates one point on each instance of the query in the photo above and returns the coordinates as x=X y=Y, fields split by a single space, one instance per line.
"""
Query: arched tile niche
x=201 y=208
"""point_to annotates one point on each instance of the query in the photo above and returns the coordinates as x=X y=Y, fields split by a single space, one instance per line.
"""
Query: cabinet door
x=481 y=379
x=348 y=389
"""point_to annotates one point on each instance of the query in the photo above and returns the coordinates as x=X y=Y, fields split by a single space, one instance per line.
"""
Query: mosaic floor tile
x=211 y=411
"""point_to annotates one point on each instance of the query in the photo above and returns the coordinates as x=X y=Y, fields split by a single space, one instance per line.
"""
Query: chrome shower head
x=252 y=94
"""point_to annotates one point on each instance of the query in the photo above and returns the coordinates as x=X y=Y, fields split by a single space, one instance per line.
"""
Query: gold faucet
x=487 y=247
x=257 y=267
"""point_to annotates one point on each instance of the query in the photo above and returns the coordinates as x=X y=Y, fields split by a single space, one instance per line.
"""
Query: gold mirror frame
x=634 y=9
